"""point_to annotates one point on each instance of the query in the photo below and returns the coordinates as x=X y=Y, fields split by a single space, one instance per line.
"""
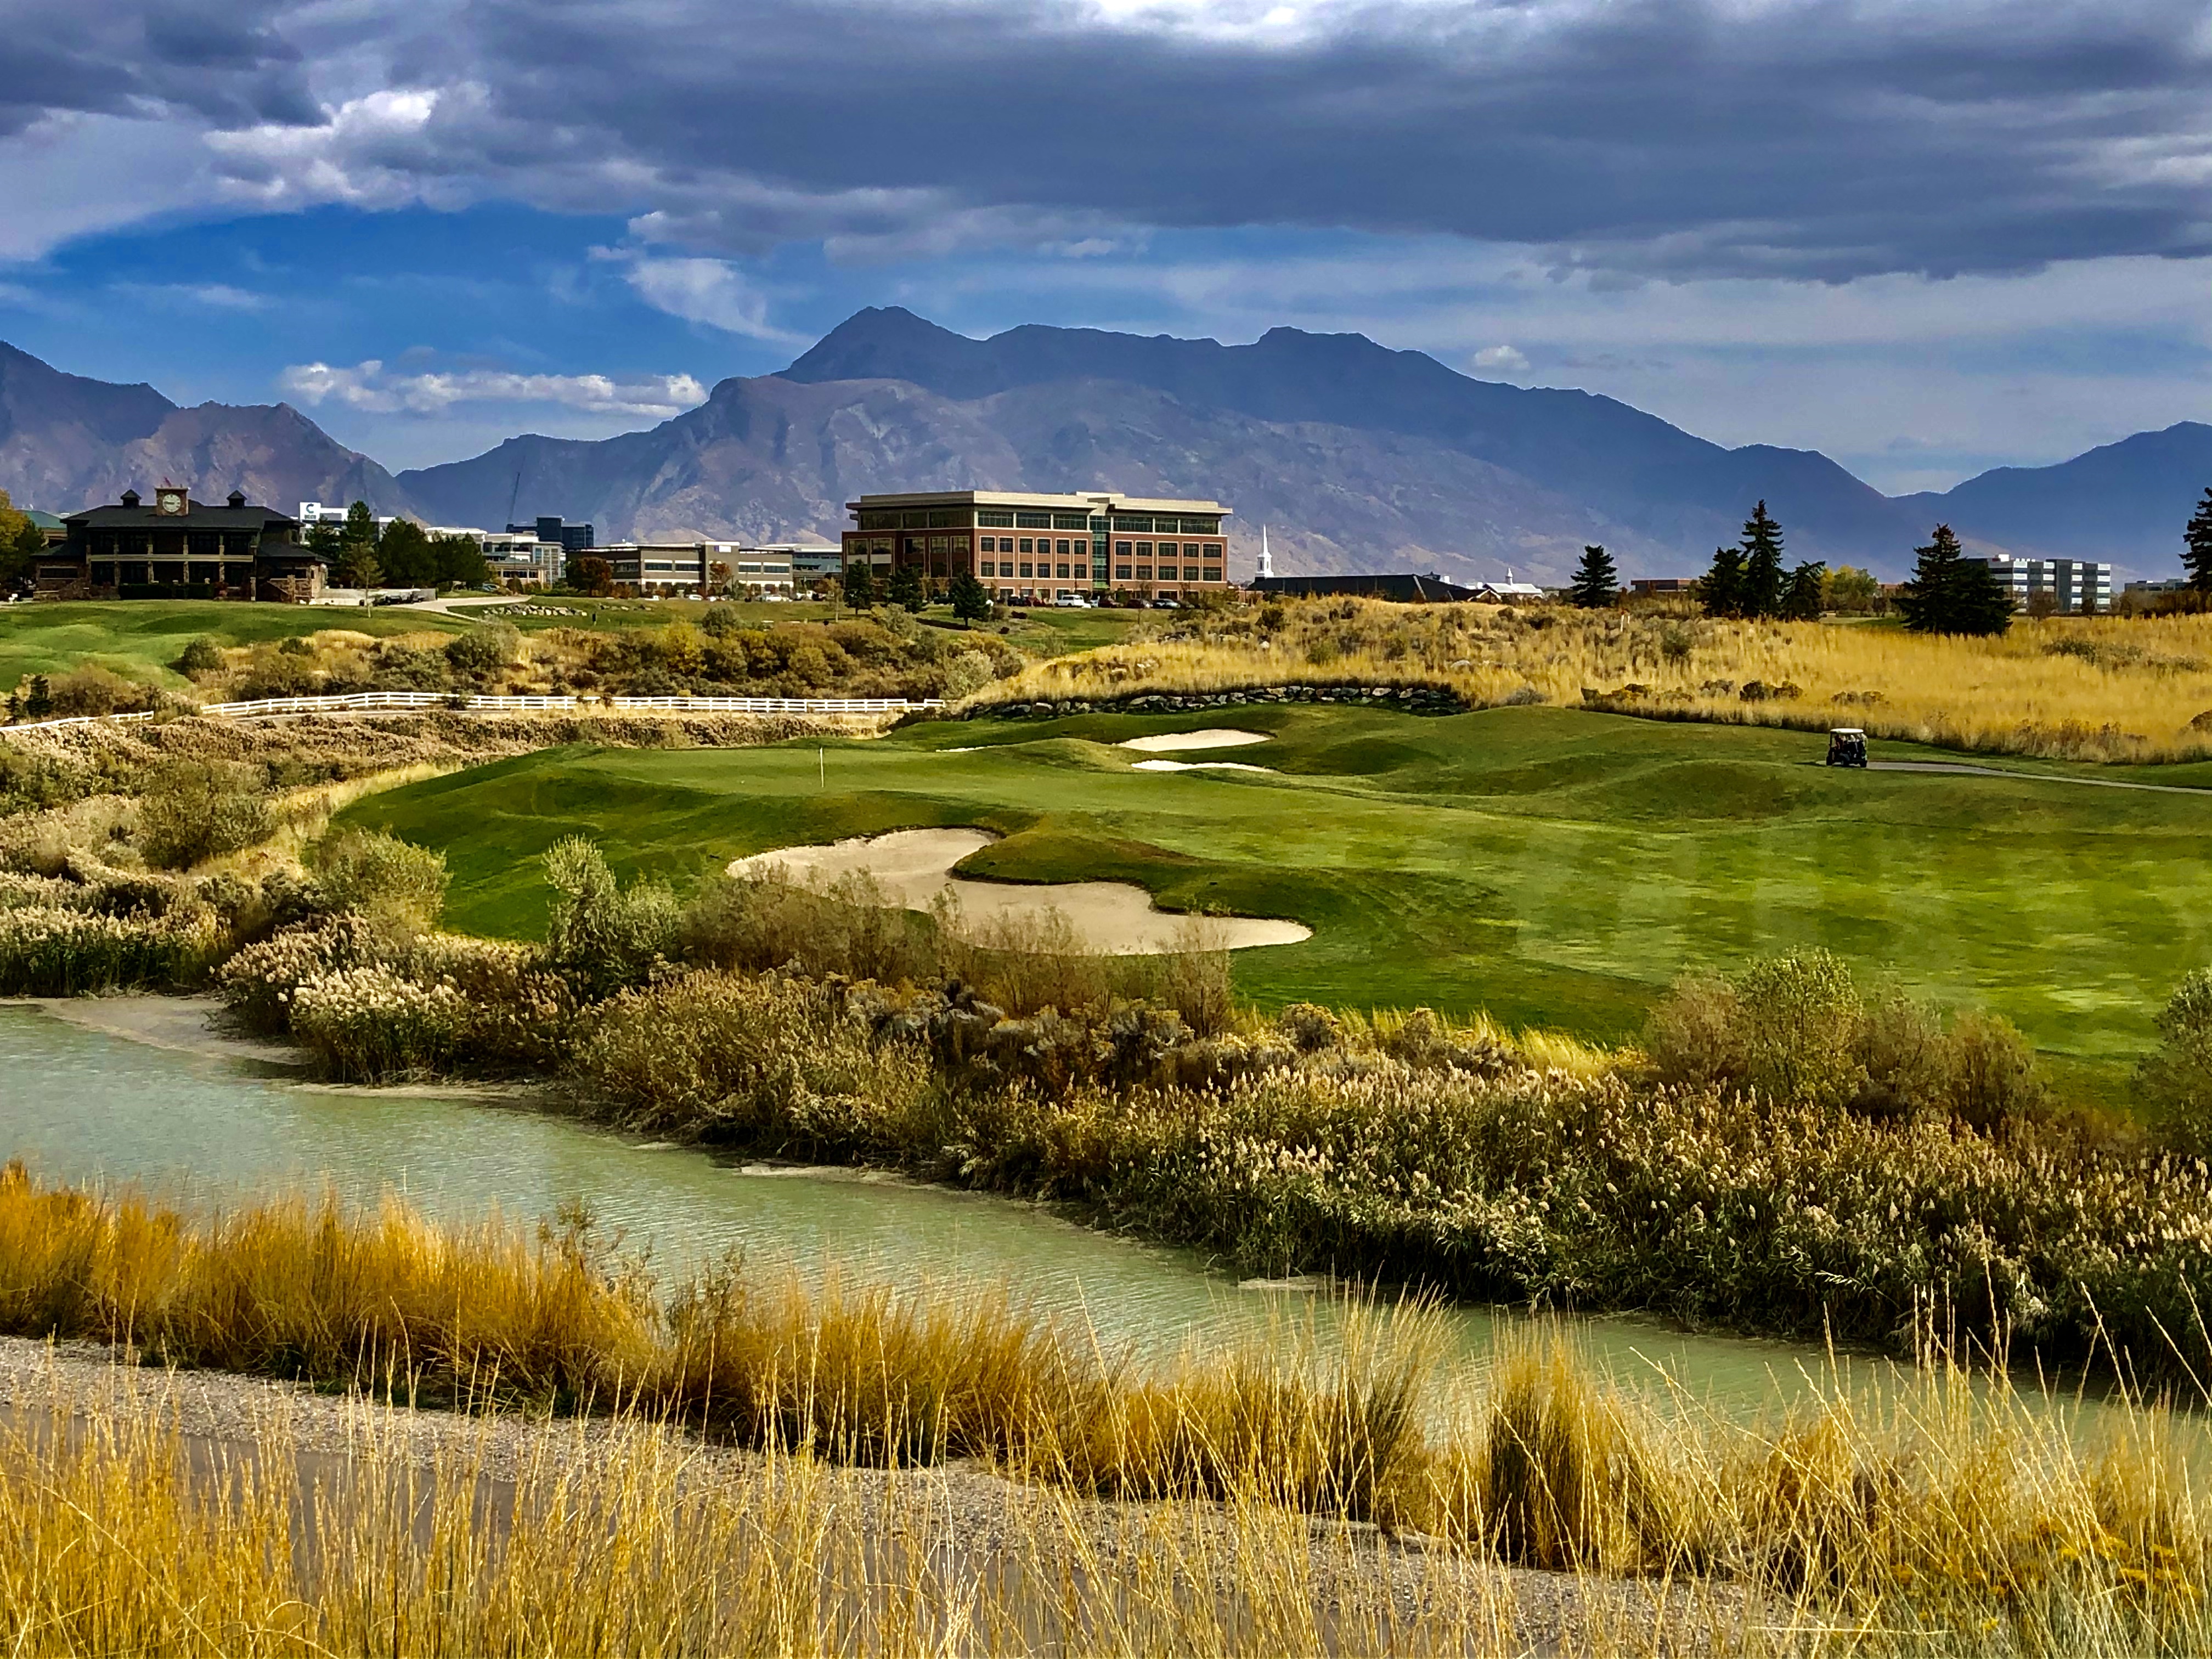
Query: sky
x=1925 y=236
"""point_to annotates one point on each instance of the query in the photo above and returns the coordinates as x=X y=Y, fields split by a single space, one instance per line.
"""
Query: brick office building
x=1031 y=549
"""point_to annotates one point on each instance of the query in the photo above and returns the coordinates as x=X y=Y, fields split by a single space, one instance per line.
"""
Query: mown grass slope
x=1553 y=867
x=140 y=639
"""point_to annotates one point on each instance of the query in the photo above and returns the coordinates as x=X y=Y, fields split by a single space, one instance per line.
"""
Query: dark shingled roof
x=1407 y=590
x=237 y=514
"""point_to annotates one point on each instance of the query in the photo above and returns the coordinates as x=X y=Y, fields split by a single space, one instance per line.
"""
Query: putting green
x=1554 y=867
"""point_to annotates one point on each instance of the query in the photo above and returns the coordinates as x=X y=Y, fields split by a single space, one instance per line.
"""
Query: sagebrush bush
x=2175 y=1081
x=386 y=879
x=193 y=810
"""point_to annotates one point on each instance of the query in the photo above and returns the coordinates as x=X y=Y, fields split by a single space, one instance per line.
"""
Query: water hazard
x=85 y=1105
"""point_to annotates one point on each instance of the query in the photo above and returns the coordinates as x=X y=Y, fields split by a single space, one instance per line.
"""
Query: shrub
x=1989 y=1074
x=2175 y=1082
x=193 y=810
x=386 y=879
x=599 y=937
x=201 y=655
x=371 y=1022
x=484 y=649
x=49 y=950
x=258 y=983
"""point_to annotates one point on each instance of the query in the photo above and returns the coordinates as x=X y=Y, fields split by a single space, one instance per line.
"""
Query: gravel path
x=988 y=1524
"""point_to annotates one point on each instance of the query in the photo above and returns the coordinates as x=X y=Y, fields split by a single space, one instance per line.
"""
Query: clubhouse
x=1031 y=549
x=180 y=548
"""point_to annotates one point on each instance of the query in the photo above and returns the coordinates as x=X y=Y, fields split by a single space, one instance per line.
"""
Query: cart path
x=2030 y=777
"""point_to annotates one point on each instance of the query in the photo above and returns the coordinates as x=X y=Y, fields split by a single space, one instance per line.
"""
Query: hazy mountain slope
x=2126 y=502
x=1631 y=469
x=68 y=442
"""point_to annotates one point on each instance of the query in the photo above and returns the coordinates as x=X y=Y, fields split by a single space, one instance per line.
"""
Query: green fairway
x=1554 y=867
x=140 y=638
x=1044 y=632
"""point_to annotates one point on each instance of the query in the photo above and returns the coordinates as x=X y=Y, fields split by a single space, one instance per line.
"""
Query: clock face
x=169 y=500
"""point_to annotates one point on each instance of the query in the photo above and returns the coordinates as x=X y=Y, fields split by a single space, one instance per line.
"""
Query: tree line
x=402 y=554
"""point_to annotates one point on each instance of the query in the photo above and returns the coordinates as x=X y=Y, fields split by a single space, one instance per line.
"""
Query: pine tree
x=1804 y=594
x=2198 y=559
x=1720 y=589
x=904 y=587
x=1596 y=584
x=1952 y=594
x=860 y=585
x=403 y=551
x=357 y=563
x=1760 y=594
x=971 y=600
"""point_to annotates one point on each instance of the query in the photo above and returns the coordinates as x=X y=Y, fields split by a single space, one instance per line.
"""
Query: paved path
x=2029 y=777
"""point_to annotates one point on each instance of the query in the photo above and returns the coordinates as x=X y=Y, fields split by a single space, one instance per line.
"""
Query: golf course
x=1555 y=867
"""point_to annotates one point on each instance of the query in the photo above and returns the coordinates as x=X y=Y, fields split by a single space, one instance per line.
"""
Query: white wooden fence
x=368 y=701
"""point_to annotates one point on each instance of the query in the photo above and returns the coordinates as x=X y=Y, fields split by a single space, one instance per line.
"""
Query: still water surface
x=84 y=1106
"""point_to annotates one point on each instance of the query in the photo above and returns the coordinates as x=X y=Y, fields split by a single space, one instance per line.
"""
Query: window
x=998 y=521
x=1142 y=526
x=1122 y=573
x=1213 y=549
x=989 y=545
x=1201 y=526
x=1026 y=571
x=1144 y=549
x=1190 y=549
x=1032 y=520
x=1071 y=522
x=1120 y=550
x=1143 y=572
x=1063 y=550
x=1213 y=573
x=913 y=520
x=1063 y=573
x=1098 y=526
x=948 y=519
x=1190 y=573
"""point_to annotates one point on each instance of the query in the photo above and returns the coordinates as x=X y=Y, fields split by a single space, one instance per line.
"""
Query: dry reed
x=2106 y=689
x=1959 y=1512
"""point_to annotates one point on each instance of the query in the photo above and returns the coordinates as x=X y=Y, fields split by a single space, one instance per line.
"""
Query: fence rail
x=368 y=701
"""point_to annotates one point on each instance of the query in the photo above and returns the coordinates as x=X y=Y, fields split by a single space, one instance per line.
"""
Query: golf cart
x=1846 y=746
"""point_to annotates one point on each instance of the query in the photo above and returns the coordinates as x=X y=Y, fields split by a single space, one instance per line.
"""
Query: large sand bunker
x=913 y=868
x=1216 y=737
x=1195 y=766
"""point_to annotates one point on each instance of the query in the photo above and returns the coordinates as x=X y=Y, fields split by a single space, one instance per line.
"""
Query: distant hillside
x=68 y=442
x=2126 y=502
x=1355 y=457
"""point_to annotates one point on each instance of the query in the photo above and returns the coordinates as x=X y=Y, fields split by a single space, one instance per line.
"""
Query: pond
x=85 y=1105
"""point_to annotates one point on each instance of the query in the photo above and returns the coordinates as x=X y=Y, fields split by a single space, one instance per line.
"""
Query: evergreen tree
x=403 y=551
x=1596 y=584
x=356 y=564
x=2198 y=536
x=40 y=702
x=458 y=562
x=971 y=600
x=860 y=585
x=1720 y=589
x=1760 y=594
x=904 y=587
x=1952 y=594
x=1804 y=594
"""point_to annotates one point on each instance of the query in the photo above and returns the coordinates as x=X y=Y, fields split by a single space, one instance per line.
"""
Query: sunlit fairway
x=1555 y=867
x=142 y=639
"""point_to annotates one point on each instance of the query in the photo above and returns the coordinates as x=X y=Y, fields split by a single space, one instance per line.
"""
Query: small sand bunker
x=1196 y=766
x=1217 y=737
x=913 y=866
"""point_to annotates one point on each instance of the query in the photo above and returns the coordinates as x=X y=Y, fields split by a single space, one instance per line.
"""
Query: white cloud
x=367 y=385
x=1501 y=360
x=708 y=291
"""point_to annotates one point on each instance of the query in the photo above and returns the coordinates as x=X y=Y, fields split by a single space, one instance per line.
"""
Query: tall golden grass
x=1959 y=1511
x=2104 y=688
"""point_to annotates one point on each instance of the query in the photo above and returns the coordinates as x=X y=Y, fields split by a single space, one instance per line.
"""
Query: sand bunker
x=1196 y=766
x=913 y=866
x=1218 y=736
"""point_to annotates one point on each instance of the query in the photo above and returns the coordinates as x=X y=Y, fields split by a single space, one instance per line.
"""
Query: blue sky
x=1926 y=239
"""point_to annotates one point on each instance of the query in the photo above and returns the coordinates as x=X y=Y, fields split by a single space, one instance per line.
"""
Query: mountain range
x=1355 y=457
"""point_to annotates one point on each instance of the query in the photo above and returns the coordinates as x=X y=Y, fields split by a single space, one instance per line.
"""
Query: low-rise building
x=552 y=527
x=657 y=569
x=2079 y=587
x=180 y=548
x=1654 y=586
x=1404 y=589
x=519 y=556
x=1033 y=548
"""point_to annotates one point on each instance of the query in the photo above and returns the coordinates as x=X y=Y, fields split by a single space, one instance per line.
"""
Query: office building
x=574 y=537
x=1031 y=548
x=2080 y=587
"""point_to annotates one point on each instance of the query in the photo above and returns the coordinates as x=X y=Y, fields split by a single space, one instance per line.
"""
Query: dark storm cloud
x=1658 y=138
x=219 y=60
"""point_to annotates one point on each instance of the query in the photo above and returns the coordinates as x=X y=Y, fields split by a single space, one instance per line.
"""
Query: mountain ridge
x=1355 y=455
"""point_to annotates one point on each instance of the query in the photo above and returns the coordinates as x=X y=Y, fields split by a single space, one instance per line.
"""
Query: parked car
x=1164 y=603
